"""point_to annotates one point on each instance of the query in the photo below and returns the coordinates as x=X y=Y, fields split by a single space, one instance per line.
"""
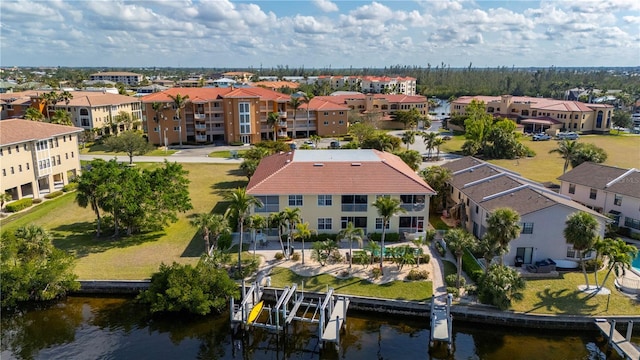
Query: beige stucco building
x=37 y=158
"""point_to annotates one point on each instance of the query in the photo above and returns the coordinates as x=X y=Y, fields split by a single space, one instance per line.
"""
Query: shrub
x=388 y=237
x=70 y=187
x=440 y=249
x=279 y=256
x=471 y=289
x=451 y=280
x=453 y=291
x=416 y=274
x=344 y=274
x=19 y=205
x=236 y=143
x=590 y=264
x=470 y=266
x=37 y=201
x=624 y=231
x=323 y=237
x=335 y=257
x=295 y=256
x=425 y=259
x=53 y=195
x=376 y=273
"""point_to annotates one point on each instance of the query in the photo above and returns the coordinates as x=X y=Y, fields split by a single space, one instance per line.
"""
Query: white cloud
x=325 y=5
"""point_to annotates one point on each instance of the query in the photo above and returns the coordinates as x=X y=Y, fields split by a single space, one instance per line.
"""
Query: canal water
x=117 y=328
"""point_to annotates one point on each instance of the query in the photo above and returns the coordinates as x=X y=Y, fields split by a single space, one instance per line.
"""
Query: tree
x=429 y=139
x=5 y=197
x=478 y=123
x=131 y=142
x=437 y=177
x=295 y=103
x=65 y=96
x=567 y=150
x=503 y=225
x=410 y=157
x=303 y=232
x=436 y=144
x=239 y=204
x=157 y=108
x=61 y=117
x=621 y=119
x=587 y=152
x=125 y=119
x=278 y=221
x=210 y=224
x=458 y=240
x=581 y=232
x=33 y=114
x=272 y=122
x=500 y=286
x=50 y=98
x=387 y=207
x=92 y=187
x=382 y=142
x=308 y=96
x=351 y=234
x=257 y=222
x=408 y=118
x=361 y=131
x=249 y=166
x=620 y=256
x=408 y=138
x=292 y=217
x=32 y=269
x=316 y=139
x=179 y=102
x=199 y=290
x=488 y=247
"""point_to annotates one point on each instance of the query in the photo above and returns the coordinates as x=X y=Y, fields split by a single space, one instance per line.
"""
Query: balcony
x=201 y=127
x=413 y=207
x=199 y=116
x=201 y=138
x=282 y=114
x=282 y=124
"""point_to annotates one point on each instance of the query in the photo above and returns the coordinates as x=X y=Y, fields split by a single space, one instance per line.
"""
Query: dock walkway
x=337 y=318
x=621 y=344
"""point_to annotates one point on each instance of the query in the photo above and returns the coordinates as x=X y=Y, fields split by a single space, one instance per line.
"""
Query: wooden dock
x=619 y=342
x=441 y=322
x=336 y=320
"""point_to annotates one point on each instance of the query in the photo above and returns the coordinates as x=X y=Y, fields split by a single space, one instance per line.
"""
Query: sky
x=319 y=33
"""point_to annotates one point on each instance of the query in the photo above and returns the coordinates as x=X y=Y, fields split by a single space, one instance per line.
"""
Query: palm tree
x=157 y=108
x=408 y=138
x=351 y=234
x=458 y=240
x=303 y=232
x=436 y=144
x=437 y=177
x=36 y=241
x=179 y=102
x=292 y=217
x=307 y=100
x=4 y=198
x=278 y=221
x=256 y=222
x=581 y=232
x=239 y=204
x=316 y=139
x=50 y=98
x=272 y=121
x=33 y=114
x=66 y=97
x=620 y=256
x=567 y=150
x=503 y=225
x=62 y=117
x=429 y=138
x=387 y=207
x=295 y=103
x=500 y=285
x=210 y=224
x=488 y=248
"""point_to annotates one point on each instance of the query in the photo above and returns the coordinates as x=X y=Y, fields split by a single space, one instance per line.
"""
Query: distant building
x=127 y=78
x=37 y=158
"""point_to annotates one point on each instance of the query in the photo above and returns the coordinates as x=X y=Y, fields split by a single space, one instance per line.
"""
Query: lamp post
x=180 y=132
x=165 y=140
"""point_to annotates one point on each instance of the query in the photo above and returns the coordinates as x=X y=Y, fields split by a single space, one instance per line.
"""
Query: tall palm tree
x=272 y=121
x=429 y=138
x=307 y=100
x=33 y=114
x=408 y=138
x=567 y=150
x=4 y=198
x=620 y=256
x=437 y=177
x=157 y=108
x=50 y=98
x=436 y=144
x=278 y=221
x=210 y=224
x=458 y=240
x=351 y=234
x=581 y=231
x=256 y=222
x=66 y=97
x=503 y=225
x=387 y=207
x=304 y=232
x=316 y=139
x=62 y=117
x=35 y=242
x=292 y=216
x=179 y=102
x=295 y=103
x=239 y=205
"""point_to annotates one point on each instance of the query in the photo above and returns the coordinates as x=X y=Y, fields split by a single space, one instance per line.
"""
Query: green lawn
x=225 y=154
x=562 y=297
x=449 y=268
x=138 y=256
x=99 y=149
x=398 y=290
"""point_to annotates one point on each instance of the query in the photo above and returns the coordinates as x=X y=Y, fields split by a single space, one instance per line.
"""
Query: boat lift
x=441 y=322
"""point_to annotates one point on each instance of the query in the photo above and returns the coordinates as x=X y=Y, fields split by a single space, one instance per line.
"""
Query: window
x=295 y=200
x=572 y=188
x=617 y=200
x=632 y=223
x=176 y=128
x=412 y=202
x=66 y=156
x=411 y=223
x=9 y=150
x=1 y=152
x=358 y=221
x=245 y=118
x=12 y=171
x=354 y=202
x=269 y=204
x=72 y=155
x=324 y=224
x=4 y=172
x=20 y=168
x=527 y=228
x=27 y=166
x=326 y=123
x=325 y=200
x=593 y=194
x=17 y=148
x=379 y=223
x=477 y=208
x=58 y=159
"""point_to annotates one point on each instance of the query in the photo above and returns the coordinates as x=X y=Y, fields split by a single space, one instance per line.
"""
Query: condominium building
x=539 y=114
x=127 y=78
x=369 y=84
x=37 y=158
x=334 y=187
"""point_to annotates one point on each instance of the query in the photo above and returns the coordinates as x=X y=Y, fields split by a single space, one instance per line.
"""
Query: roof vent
x=288 y=161
x=356 y=164
x=318 y=164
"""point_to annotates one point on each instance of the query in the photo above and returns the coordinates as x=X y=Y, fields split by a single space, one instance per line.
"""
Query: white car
x=310 y=143
x=541 y=137
x=568 y=136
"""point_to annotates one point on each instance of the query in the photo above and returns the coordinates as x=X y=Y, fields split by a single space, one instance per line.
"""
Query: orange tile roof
x=335 y=172
x=14 y=131
x=194 y=93
x=276 y=84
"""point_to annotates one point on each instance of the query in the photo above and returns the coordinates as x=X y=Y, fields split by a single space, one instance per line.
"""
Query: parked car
x=334 y=145
x=568 y=136
x=541 y=137
x=310 y=144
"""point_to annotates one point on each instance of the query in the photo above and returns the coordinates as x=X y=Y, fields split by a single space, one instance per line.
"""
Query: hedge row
x=470 y=266
x=388 y=237
x=54 y=194
x=19 y=205
x=70 y=187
